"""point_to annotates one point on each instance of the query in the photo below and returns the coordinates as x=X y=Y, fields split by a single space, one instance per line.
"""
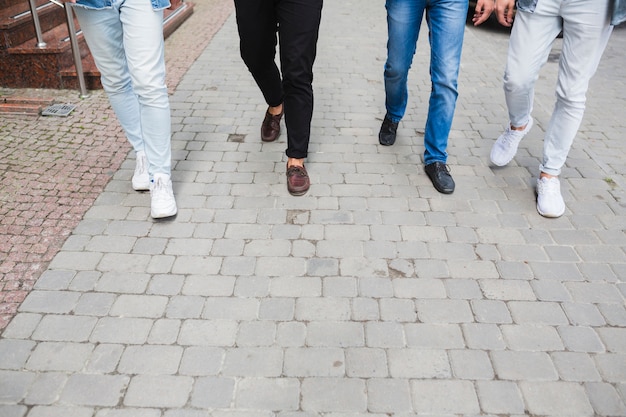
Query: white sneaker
x=549 y=200
x=505 y=147
x=141 y=178
x=163 y=203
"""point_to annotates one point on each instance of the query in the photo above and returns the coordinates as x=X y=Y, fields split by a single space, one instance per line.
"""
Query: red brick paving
x=53 y=168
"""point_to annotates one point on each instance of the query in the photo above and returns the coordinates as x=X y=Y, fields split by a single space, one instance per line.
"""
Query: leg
x=529 y=46
x=446 y=21
x=257 y=25
x=144 y=49
x=404 y=18
x=299 y=22
x=586 y=31
x=103 y=32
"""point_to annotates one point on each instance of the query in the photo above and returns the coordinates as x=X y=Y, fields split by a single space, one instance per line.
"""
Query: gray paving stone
x=14 y=386
x=231 y=308
x=55 y=280
x=575 y=366
x=335 y=334
x=545 y=313
x=604 y=399
x=121 y=330
x=94 y=390
x=583 y=314
x=204 y=285
x=366 y=363
x=158 y=391
x=133 y=283
x=150 y=360
x=434 y=336
x=444 y=311
x=507 y=290
x=580 y=339
x=22 y=325
x=523 y=366
x=418 y=363
x=322 y=309
x=384 y=335
x=266 y=394
x=500 y=397
x=61 y=411
x=444 y=397
x=58 y=302
x=253 y=362
x=483 y=336
x=64 y=328
x=208 y=332
x=555 y=398
x=14 y=353
x=388 y=395
x=333 y=395
x=614 y=314
x=213 y=392
x=59 y=356
x=314 y=362
x=138 y=412
x=13 y=410
x=46 y=388
x=94 y=304
x=532 y=337
x=614 y=339
x=104 y=358
x=471 y=364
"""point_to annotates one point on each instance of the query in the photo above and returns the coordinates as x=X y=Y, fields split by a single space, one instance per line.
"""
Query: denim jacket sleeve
x=527 y=5
x=107 y=4
x=619 y=12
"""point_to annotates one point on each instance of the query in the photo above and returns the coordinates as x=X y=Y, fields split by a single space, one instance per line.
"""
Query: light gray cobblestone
x=371 y=296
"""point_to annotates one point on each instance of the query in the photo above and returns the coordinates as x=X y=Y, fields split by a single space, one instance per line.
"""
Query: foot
x=162 y=202
x=439 y=174
x=298 y=182
x=549 y=200
x=141 y=179
x=387 y=134
x=505 y=147
x=270 y=128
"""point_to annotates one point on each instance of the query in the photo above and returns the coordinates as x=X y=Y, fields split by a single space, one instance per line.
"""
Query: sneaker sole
x=550 y=215
x=164 y=214
x=141 y=187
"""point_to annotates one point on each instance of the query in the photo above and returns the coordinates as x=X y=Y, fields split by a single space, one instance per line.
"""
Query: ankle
x=275 y=111
x=295 y=162
x=545 y=175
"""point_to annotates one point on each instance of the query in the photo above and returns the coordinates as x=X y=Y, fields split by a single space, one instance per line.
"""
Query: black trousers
x=295 y=24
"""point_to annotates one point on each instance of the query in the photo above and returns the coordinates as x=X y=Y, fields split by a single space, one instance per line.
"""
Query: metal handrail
x=69 y=17
x=33 y=12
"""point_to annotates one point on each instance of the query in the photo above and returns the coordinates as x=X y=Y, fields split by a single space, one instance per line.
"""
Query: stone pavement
x=373 y=295
x=52 y=169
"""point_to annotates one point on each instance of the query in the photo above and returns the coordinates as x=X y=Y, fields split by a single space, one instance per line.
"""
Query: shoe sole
x=550 y=215
x=141 y=187
x=298 y=193
x=163 y=215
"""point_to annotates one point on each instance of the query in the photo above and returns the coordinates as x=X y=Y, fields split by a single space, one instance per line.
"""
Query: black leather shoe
x=439 y=174
x=387 y=134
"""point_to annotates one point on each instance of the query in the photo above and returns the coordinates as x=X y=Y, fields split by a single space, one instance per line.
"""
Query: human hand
x=505 y=12
x=483 y=10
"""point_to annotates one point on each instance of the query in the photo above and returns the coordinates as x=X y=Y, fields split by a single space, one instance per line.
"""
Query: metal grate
x=58 y=110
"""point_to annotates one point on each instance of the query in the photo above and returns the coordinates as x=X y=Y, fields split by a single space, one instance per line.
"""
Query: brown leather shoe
x=270 y=128
x=298 y=182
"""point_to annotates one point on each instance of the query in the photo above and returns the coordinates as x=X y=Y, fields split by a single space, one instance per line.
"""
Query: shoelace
x=549 y=186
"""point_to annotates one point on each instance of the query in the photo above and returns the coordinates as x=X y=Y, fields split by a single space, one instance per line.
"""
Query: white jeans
x=126 y=42
x=586 y=31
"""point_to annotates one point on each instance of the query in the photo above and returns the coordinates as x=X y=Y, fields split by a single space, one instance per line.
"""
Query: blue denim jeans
x=126 y=42
x=446 y=24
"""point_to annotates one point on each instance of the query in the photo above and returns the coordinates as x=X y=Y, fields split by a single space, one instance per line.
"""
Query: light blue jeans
x=586 y=31
x=446 y=24
x=126 y=42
